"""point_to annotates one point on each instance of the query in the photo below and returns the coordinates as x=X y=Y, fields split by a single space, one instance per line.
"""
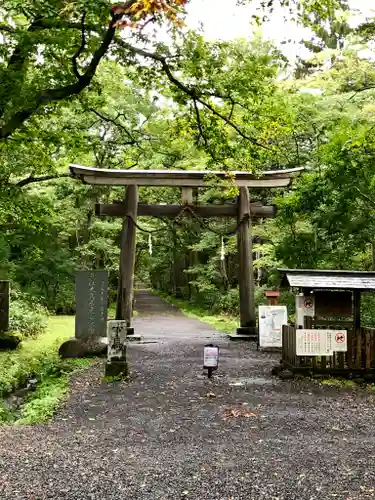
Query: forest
x=90 y=83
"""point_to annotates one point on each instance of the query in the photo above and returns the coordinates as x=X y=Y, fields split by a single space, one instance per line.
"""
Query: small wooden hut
x=329 y=300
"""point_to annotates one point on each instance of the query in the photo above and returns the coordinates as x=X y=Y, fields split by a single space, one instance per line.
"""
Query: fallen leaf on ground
x=230 y=413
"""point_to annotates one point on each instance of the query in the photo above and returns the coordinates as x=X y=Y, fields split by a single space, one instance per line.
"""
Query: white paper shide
x=271 y=321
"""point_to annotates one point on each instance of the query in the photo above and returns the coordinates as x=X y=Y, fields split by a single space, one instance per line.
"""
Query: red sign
x=340 y=338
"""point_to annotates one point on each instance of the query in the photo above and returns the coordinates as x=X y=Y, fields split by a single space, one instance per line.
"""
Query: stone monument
x=91 y=316
x=116 y=364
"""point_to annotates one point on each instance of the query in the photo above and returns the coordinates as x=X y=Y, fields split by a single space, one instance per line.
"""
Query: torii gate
x=186 y=180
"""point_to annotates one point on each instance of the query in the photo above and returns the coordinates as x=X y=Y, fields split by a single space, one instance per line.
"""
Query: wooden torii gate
x=187 y=180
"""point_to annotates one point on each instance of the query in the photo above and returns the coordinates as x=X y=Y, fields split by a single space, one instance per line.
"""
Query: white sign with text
x=320 y=342
x=271 y=321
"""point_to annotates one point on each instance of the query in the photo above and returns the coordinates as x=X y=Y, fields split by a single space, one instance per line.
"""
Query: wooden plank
x=358 y=354
x=341 y=359
x=333 y=304
x=284 y=345
x=293 y=336
x=349 y=354
x=329 y=324
x=368 y=340
x=4 y=306
x=323 y=362
x=186 y=178
x=245 y=262
x=357 y=308
x=204 y=211
x=127 y=257
x=166 y=182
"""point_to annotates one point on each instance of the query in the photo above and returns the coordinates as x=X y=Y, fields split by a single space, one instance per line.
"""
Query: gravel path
x=164 y=435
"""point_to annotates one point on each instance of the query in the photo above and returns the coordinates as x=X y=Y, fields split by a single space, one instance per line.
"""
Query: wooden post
x=187 y=199
x=355 y=337
x=124 y=309
x=4 y=306
x=245 y=271
x=357 y=309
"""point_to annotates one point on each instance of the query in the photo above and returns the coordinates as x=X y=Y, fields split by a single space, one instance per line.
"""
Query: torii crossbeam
x=186 y=180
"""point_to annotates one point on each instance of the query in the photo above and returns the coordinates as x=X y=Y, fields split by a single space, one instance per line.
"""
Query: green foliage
x=190 y=104
x=41 y=405
x=26 y=319
x=38 y=358
x=45 y=400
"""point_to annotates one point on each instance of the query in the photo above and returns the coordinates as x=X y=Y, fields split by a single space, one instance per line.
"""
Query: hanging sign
x=320 y=342
x=271 y=321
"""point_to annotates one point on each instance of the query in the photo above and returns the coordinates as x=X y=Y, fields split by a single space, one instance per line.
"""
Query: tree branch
x=363 y=89
x=31 y=179
x=7 y=28
x=53 y=95
x=200 y=128
x=195 y=94
x=364 y=196
x=114 y=122
x=81 y=48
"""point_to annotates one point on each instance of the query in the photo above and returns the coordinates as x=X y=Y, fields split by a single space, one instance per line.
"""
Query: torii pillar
x=245 y=268
x=124 y=306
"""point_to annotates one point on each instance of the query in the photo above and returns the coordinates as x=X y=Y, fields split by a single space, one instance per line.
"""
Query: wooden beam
x=245 y=264
x=118 y=210
x=124 y=309
x=182 y=178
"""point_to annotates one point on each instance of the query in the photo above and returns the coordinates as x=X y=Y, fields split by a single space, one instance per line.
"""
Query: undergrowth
x=27 y=317
x=38 y=358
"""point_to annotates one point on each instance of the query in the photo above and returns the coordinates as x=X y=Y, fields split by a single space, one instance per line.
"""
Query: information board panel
x=271 y=321
x=320 y=342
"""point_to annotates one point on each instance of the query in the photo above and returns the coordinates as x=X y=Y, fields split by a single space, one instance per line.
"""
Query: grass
x=339 y=382
x=38 y=357
x=223 y=323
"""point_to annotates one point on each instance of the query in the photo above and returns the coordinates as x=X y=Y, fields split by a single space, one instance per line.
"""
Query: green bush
x=228 y=302
x=26 y=319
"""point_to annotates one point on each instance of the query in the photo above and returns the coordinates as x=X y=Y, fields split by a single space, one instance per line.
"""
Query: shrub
x=26 y=319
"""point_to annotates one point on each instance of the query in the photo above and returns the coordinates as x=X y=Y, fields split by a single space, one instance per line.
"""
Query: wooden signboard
x=333 y=304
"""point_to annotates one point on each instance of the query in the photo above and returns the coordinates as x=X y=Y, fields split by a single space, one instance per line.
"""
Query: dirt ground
x=171 y=433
